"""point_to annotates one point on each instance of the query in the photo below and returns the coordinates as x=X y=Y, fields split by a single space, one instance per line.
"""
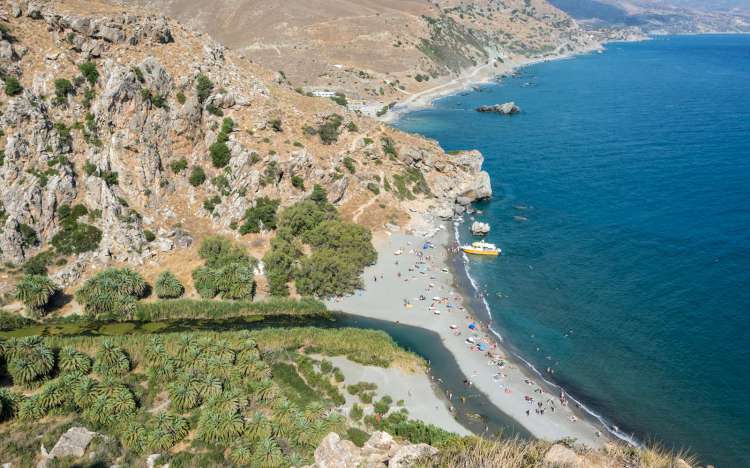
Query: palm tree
x=241 y=454
x=134 y=436
x=258 y=427
x=29 y=359
x=217 y=427
x=72 y=360
x=267 y=453
x=35 y=291
x=53 y=394
x=8 y=404
x=31 y=409
x=111 y=360
x=183 y=394
x=167 y=286
x=208 y=386
x=85 y=392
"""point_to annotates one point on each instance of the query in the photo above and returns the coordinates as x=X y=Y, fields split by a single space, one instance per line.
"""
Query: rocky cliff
x=122 y=112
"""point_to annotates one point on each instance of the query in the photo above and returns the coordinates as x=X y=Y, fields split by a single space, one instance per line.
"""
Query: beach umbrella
x=472 y=326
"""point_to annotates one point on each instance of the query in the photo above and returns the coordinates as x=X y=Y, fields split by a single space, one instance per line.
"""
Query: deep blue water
x=631 y=272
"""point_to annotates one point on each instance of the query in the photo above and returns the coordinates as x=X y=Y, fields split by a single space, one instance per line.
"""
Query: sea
x=621 y=200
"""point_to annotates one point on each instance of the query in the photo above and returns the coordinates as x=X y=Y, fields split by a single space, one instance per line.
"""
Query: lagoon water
x=622 y=204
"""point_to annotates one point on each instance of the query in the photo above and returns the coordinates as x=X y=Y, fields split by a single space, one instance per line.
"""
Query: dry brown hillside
x=379 y=51
x=126 y=143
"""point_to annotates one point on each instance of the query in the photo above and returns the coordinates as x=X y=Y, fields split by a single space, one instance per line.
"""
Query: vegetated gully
x=472 y=408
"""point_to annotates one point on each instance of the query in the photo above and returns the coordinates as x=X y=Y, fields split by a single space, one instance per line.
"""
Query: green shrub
x=89 y=71
x=29 y=236
x=75 y=237
x=167 y=286
x=398 y=424
x=197 y=176
x=111 y=293
x=340 y=99
x=357 y=436
x=262 y=216
x=210 y=203
x=63 y=87
x=221 y=183
x=12 y=86
x=35 y=292
x=352 y=127
x=180 y=97
x=373 y=187
x=389 y=147
x=220 y=154
x=276 y=125
x=298 y=182
x=356 y=414
x=349 y=164
x=329 y=129
x=149 y=235
x=179 y=165
x=37 y=265
x=213 y=110
x=203 y=88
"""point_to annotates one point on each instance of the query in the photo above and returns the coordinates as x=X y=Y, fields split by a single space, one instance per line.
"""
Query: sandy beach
x=415 y=389
x=413 y=286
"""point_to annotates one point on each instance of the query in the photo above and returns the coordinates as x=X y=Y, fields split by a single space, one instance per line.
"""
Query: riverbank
x=471 y=77
x=414 y=286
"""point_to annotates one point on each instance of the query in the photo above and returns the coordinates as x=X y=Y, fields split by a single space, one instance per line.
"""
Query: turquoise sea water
x=622 y=204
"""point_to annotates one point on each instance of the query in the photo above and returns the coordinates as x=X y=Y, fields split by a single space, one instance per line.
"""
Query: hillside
x=158 y=137
x=380 y=51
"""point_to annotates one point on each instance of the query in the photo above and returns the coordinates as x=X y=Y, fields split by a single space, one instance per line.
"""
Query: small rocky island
x=508 y=108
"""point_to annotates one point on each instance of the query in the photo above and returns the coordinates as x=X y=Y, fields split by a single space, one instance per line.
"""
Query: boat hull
x=492 y=253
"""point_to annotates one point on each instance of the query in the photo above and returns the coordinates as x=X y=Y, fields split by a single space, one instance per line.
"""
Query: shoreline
x=401 y=288
x=475 y=76
x=467 y=286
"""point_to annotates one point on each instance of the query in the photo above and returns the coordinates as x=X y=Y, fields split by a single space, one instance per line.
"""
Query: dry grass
x=474 y=452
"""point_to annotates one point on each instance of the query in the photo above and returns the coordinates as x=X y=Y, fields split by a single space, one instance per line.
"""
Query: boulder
x=408 y=454
x=336 y=453
x=479 y=228
x=508 y=108
x=73 y=443
x=561 y=456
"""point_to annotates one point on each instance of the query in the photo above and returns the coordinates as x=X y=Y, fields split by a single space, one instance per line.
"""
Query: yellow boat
x=481 y=248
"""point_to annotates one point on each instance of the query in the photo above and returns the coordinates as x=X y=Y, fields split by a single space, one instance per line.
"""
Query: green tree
x=35 y=291
x=167 y=286
x=261 y=216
